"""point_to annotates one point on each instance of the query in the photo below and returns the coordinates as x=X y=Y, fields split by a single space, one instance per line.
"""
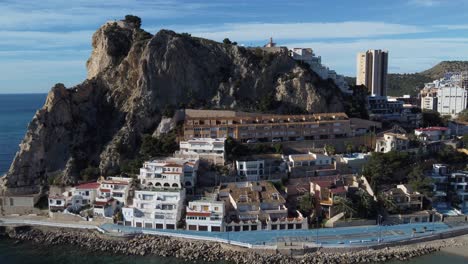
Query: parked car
x=251 y=141
x=276 y=140
x=300 y=139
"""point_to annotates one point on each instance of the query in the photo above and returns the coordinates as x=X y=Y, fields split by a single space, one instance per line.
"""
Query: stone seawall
x=190 y=250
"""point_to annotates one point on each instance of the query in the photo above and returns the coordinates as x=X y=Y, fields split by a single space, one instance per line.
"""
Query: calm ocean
x=16 y=111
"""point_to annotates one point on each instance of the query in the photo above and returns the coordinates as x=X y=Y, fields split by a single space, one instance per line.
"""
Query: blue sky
x=48 y=41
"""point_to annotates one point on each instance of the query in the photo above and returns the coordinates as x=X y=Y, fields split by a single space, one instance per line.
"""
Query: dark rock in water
x=132 y=77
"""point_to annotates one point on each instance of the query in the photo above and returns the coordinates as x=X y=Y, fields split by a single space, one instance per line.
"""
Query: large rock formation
x=132 y=77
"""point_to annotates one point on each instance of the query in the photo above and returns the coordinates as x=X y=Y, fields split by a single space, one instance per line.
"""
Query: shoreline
x=191 y=250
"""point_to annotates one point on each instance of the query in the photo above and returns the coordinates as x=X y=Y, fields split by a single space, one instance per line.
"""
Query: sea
x=16 y=111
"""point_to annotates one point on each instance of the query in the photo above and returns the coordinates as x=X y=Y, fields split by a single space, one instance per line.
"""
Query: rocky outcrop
x=132 y=77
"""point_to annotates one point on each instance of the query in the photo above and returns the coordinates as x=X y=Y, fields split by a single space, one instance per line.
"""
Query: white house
x=432 y=133
x=210 y=149
x=205 y=215
x=392 y=141
x=169 y=173
x=57 y=203
x=160 y=209
x=115 y=187
x=307 y=160
x=251 y=169
x=88 y=192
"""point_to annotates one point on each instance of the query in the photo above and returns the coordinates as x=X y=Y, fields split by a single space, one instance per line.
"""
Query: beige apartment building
x=372 y=67
x=263 y=127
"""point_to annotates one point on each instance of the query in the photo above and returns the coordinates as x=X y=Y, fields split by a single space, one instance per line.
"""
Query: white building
x=169 y=173
x=309 y=159
x=251 y=169
x=372 y=67
x=115 y=187
x=432 y=133
x=451 y=100
x=307 y=55
x=112 y=194
x=160 y=209
x=459 y=183
x=391 y=142
x=210 y=149
x=57 y=203
x=205 y=215
x=88 y=191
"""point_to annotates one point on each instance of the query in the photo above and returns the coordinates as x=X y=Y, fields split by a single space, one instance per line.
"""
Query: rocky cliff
x=132 y=77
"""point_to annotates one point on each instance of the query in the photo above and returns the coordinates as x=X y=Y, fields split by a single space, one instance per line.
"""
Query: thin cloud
x=424 y=3
x=262 y=31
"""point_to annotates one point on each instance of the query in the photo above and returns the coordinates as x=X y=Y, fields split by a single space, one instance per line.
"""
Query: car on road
x=251 y=141
x=276 y=140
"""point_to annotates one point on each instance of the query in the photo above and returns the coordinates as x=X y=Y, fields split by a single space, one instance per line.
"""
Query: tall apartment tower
x=372 y=68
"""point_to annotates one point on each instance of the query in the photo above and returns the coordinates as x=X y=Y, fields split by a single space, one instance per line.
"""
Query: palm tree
x=387 y=202
x=366 y=203
x=307 y=205
x=343 y=205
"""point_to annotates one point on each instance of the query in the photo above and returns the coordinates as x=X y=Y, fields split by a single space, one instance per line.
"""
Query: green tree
x=385 y=201
x=227 y=41
x=307 y=204
x=133 y=19
x=364 y=204
x=344 y=205
x=432 y=118
x=349 y=148
x=90 y=173
x=330 y=149
x=463 y=116
x=419 y=182
x=278 y=148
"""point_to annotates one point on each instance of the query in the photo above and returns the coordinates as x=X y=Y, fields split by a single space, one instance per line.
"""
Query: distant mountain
x=411 y=83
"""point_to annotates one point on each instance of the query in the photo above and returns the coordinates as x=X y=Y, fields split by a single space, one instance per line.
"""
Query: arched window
x=167 y=185
x=158 y=184
x=188 y=184
x=175 y=185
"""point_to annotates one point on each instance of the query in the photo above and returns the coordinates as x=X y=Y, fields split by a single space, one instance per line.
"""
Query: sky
x=48 y=41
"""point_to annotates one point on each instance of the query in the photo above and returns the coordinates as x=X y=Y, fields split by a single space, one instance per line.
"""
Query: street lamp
x=316 y=240
x=380 y=227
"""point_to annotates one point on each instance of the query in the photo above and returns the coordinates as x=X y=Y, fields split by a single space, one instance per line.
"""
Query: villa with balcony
x=254 y=206
x=325 y=190
x=209 y=149
x=160 y=209
x=405 y=198
x=113 y=193
x=169 y=173
x=459 y=183
x=206 y=214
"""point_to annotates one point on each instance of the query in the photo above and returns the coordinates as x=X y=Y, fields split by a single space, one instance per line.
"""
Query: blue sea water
x=16 y=111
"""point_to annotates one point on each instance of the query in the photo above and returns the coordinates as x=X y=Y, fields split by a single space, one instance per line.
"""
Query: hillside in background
x=410 y=83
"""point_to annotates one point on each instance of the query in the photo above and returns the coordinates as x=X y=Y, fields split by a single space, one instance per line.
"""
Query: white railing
x=4 y=221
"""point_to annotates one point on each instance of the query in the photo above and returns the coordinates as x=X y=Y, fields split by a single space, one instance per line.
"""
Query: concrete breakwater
x=208 y=251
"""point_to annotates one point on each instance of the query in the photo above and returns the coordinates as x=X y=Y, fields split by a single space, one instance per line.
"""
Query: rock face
x=132 y=77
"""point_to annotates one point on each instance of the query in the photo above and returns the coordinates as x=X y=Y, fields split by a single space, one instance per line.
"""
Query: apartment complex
x=155 y=208
x=372 y=67
x=432 y=133
x=206 y=214
x=257 y=206
x=169 y=173
x=210 y=149
x=428 y=98
x=451 y=100
x=263 y=127
x=251 y=169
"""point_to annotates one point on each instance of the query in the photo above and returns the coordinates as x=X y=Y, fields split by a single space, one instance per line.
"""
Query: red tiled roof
x=197 y=214
x=105 y=190
x=99 y=203
x=90 y=185
x=115 y=182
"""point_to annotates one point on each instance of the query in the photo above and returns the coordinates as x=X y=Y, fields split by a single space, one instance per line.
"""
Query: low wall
x=360 y=222
x=452 y=219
